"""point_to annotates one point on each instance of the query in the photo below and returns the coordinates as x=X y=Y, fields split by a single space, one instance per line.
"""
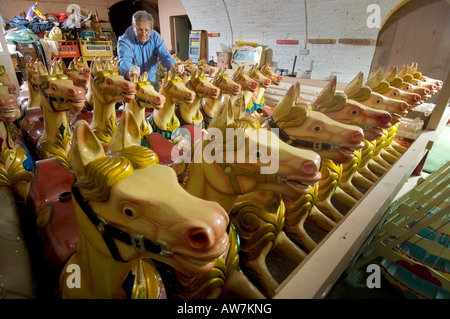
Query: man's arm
x=163 y=53
x=126 y=58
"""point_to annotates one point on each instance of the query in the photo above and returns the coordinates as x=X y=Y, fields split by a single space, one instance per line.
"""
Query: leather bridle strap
x=314 y=145
x=232 y=171
x=51 y=99
x=110 y=232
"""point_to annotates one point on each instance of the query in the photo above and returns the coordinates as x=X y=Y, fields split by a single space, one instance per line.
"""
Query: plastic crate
x=67 y=49
x=96 y=48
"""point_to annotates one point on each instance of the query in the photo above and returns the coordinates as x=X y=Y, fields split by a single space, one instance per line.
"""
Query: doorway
x=180 y=26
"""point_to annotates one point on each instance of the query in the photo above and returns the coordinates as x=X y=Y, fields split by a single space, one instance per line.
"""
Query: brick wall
x=266 y=21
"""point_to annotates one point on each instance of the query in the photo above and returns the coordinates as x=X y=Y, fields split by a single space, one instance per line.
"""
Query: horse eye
x=128 y=212
x=395 y=93
x=317 y=128
x=378 y=101
x=354 y=112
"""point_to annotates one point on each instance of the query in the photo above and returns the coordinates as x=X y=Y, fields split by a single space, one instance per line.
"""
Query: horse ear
x=126 y=133
x=284 y=106
x=42 y=69
x=355 y=85
x=327 y=93
x=224 y=115
x=144 y=76
x=85 y=148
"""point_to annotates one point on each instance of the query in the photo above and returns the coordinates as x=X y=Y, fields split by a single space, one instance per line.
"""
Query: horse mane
x=104 y=172
x=335 y=104
x=295 y=117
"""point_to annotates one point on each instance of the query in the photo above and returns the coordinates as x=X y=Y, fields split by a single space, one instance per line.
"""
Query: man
x=140 y=48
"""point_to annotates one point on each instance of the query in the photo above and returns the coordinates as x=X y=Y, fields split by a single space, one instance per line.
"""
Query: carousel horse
x=33 y=98
x=225 y=83
x=212 y=177
x=108 y=87
x=413 y=70
x=123 y=225
x=377 y=84
x=146 y=98
x=77 y=72
x=164 y=120
x=16 y=163
x=394 y=77
x=58 y=95
x=189 y=112
x=248 y=85
x=334 y=141
x=6 y=81
x=355 y=90
x=268 y=72
x=337 y=107
x=264 y=82
x=425 y=92
x=203 y=66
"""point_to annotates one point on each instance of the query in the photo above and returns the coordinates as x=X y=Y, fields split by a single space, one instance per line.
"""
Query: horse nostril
x=404 y=106
x=309 y=167
x=386 y=118
x=417 y=97
x=198 y=238
x=426 y=91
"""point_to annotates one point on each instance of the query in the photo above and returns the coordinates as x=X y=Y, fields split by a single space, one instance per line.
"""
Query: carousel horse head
x=175 y=90
x=339 y=108
x=58 y=93
x=301 y=127
x=225 y=83
x=355 y=90
x=146 y=95
x=408 y=86
x=267 y=71
x=129 y=206
x=202 y=86
x=257 y=75
x=9 y=108
x=108 y=86
x=78 y=73
x=6 y=81
x=424 y=79
x=240 y=157
x=243 y=78
x=376 y=82
x=205 y=67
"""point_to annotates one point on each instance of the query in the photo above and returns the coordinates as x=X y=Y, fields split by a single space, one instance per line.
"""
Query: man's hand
x=134 y=70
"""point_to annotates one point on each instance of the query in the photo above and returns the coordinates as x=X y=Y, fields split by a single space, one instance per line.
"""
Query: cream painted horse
x=58 y=95
x=165 y=120
x=224 y=182
x=16 y=163
x=264 y=82
x=372 y=121
x=189 y=112
x=107 y=87
x=248 y=85
x=227 y=85
x=146 y=98
x=131 y=210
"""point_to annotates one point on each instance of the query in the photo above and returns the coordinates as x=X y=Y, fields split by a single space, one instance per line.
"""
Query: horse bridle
x=314 y=145
x=109 y=233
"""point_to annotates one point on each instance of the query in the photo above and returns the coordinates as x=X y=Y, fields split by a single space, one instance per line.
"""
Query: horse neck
x=210 y=106
x=103 y=113
x=34 y=95
x=199 y=186
x=258 y=95
x=247 y=97
x=139 y=114
x=189 y=111
x=53 y=122
x=165 y=114
x=102 y=276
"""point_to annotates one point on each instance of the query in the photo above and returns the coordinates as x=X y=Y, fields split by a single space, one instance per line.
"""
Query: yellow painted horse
x=130 y=210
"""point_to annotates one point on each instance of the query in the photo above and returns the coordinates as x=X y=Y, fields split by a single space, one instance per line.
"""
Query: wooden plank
x=322 y=41
x=355 y=41
x=287 y=41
